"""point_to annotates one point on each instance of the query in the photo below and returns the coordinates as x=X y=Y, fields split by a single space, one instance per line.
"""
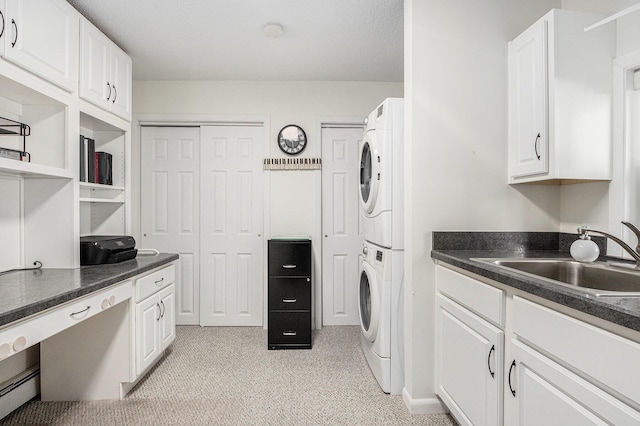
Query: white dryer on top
x=381 y=168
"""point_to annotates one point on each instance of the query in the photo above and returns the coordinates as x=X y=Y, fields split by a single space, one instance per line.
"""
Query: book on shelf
x=87 y=160
x=103 y=171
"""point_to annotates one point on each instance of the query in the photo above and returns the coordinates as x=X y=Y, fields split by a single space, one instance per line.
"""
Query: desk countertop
x=25 y=293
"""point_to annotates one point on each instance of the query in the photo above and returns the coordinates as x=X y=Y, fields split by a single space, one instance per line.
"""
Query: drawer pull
x=79 y=312
x=158 y=282
x=289 y=266
x=289 y=333
x=289 y=300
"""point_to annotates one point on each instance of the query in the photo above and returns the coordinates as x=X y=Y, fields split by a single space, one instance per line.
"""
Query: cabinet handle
x=493 y=349
x=2 y=16
x=289 y=333
x=109 y=87
x=535 y=146
x=513 y=365
x=115 y=93
x=289 y=300
x=289 y=266
x=163 y=309
x=15 y=40
x=79 y=312
x=158 y=282
x=159 y=312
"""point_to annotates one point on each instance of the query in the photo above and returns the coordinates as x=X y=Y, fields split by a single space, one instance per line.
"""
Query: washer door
x=369 y=298
x=369 y=172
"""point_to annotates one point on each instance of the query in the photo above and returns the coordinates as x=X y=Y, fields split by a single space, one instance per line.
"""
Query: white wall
x=456 y=163
x=294 y=195
x=588 y=203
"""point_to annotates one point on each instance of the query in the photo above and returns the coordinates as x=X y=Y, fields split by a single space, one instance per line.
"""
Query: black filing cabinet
x=289 y=294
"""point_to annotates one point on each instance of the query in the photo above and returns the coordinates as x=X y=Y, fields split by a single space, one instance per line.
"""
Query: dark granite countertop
x=624 y=311
x=24 y=293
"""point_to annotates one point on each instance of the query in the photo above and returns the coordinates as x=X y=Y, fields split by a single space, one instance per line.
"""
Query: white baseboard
x=423 y=405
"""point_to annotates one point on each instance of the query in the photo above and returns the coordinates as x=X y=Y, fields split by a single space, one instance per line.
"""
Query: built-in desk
x=85 y=322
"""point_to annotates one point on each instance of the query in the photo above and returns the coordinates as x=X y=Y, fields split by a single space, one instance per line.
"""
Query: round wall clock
x=292 y=139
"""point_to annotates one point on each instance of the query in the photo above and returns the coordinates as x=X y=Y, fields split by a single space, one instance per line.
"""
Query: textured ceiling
x=334 y=40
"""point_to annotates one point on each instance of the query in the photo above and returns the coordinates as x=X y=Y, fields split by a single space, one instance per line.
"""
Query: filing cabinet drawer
x=290 y=330
x=286 y=294
x=289 y=258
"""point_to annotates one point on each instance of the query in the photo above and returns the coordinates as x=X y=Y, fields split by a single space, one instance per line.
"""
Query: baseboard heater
x=18 y=390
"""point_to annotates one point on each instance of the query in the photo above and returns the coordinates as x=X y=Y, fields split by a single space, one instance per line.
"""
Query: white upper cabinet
x=105 y=72
x=560 y=100
x=42 y=37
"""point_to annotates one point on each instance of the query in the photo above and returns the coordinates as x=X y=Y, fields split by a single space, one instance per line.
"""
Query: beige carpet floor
x=226 y=376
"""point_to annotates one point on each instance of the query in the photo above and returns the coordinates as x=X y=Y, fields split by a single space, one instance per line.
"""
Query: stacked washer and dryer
x=381 y=271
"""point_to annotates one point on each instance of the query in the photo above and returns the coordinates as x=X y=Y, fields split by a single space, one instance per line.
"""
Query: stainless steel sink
x=597 y=279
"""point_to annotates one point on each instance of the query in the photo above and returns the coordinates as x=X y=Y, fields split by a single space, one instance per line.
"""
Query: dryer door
x=369 y=172
x=369 y=301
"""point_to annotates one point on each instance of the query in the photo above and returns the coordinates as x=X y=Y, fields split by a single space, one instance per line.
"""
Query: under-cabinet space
x=48 y=123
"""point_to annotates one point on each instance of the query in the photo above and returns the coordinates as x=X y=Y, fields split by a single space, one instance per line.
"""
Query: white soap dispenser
x=584 y=250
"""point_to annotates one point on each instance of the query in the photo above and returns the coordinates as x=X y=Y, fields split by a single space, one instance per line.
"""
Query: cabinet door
x=43 y=38
x=528 y=102
x=120 y=83
x=94 y=65
x=167 y=326
x=147 y=334
x=469 y=356
x=541 y=392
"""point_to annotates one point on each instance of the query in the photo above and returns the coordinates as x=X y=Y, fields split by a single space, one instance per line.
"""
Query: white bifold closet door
x=341 y=230
x=231 y=226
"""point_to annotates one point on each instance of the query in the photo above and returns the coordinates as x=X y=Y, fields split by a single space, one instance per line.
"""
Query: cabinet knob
x=104 y=304
x=20 y=343
x=112 y=300
x=5 y=350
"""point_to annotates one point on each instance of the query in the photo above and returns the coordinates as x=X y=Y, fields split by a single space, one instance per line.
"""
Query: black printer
x=101 y=249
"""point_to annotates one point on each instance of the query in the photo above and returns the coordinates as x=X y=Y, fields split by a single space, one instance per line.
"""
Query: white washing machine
x=381 y=168
x=381 y=313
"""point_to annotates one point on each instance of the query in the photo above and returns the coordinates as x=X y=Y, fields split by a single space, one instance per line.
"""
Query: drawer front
x=483 y=299
x=32 y=331
x=290 y=328
x=288 y=258
x=155 y=281
x=289 y=294
x=591 y=351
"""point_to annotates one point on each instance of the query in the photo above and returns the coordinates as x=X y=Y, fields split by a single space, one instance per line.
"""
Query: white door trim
x=140 y=120
x=320 y=122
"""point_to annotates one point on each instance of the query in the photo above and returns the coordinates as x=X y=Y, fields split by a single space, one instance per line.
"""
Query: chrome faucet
x=583 y=230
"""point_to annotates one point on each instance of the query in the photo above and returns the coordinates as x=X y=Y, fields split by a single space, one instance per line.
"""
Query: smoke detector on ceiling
x=272 y=30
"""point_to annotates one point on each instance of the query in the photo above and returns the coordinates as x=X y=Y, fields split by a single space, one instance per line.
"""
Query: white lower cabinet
x=469 y=358
x=541 y=392
x=155 y=317
x=557 y=369
x=155 y=327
